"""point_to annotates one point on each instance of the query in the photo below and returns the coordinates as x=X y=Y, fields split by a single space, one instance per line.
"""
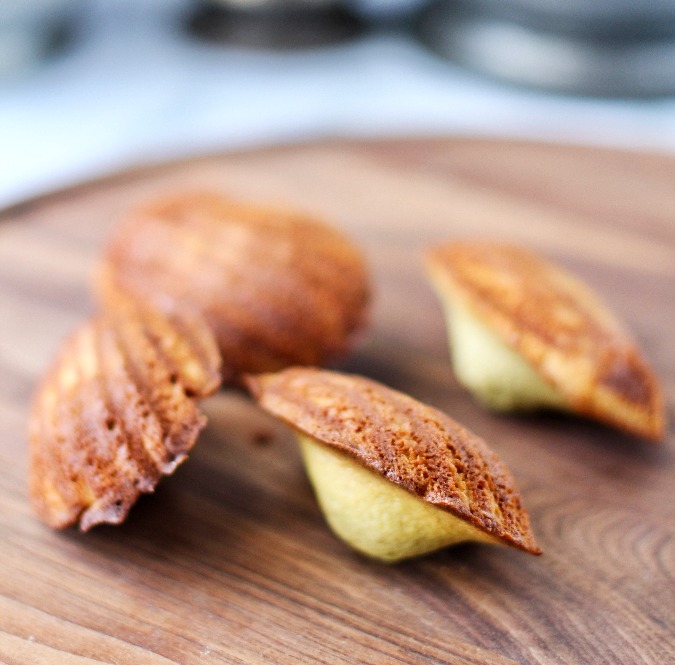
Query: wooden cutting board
x=230 y=560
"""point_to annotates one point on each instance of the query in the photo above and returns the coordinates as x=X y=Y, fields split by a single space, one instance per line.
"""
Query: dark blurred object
x=31 y=30
x=275 y=24
x=597 y=47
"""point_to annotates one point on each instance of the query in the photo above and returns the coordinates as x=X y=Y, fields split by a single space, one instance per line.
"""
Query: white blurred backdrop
x=135 y=87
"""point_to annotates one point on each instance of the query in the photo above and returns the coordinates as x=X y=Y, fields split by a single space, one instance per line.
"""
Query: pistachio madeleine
x=277 y=287
x=525 y=334
x=394 y=477
x=116 y=411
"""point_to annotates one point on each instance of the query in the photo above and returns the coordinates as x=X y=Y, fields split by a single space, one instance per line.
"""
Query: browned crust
x=558 y=326
x=277 y=287
x=117 y=411
x=403 y=440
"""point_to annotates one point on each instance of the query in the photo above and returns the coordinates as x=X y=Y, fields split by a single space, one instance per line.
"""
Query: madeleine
x=395 y=478
x=116 y=412
x=524 y=335
x=277 y=287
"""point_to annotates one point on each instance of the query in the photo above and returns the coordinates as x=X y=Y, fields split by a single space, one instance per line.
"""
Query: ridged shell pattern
x=117 y=411
x=278 y=288
x=558 y=325
x=411 y=444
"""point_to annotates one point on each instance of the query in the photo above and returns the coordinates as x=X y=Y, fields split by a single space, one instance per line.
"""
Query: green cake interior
x=495 y=373
x=375 y=516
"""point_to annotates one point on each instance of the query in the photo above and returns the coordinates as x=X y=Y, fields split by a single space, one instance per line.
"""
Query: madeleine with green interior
x=395 y=478
x=525 y=335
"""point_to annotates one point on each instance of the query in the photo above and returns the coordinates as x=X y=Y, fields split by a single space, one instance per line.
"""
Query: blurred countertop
x=134 y=87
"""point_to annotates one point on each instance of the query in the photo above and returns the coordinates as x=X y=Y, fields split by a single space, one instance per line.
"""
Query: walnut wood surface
x=230 y=561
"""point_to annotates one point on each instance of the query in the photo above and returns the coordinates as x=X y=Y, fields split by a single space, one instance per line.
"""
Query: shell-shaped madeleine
x=525 y=333
x=278 y=288
x=116 y=412
x=398 y=442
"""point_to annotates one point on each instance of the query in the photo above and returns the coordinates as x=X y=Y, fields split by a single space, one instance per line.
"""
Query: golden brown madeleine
x=116 y=412
x=573 y=345
x=278 y=288
x=431 y=461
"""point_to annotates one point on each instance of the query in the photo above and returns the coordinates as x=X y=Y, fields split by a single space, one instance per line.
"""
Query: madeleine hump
x=116 y=411
x=525 y=334
x=277 y=287
x=394 y=478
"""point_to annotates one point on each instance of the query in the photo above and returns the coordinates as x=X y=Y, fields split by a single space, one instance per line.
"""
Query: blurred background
x=90 y=86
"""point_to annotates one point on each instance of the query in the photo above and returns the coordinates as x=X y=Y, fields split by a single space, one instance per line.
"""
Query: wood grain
x=230 y=561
